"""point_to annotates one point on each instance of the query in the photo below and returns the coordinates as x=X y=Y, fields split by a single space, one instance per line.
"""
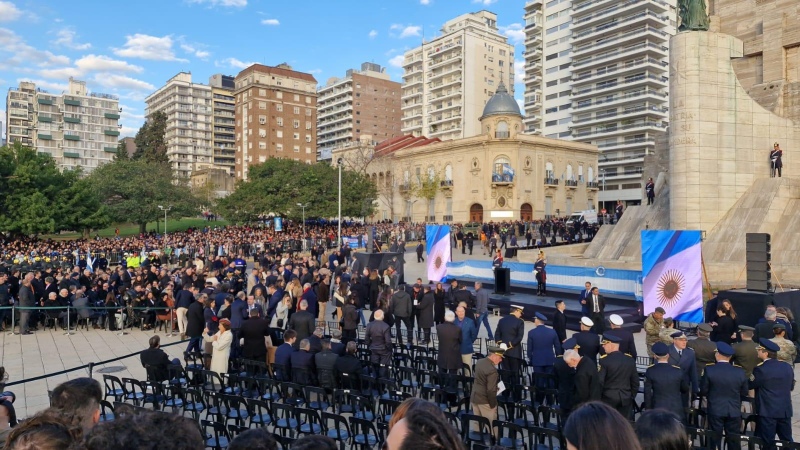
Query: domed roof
x=501 y=103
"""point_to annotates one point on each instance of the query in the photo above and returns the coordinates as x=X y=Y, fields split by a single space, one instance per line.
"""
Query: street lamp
x=165 y=217
x=339 y=163
x=304 y=223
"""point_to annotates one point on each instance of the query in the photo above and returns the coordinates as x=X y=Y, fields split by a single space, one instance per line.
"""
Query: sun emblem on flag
x=670 y=287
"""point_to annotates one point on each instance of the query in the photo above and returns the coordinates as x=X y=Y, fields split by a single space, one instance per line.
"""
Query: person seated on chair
x=156 y=361
x=326 y=360
x=349 y=363
x=303 y=360
x=283 y=355
x=336 y=342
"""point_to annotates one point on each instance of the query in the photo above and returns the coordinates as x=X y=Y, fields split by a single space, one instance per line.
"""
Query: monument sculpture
x=693 y=15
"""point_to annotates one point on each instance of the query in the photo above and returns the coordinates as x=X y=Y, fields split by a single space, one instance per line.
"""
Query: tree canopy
x=132 y=190
x=277 y=185
x=151 y=144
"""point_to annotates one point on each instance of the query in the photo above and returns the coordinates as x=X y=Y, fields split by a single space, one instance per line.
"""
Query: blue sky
x=131 y=48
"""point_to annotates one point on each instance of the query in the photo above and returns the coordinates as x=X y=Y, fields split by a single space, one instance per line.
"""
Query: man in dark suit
x=627 y=344
x=664 y=384
x=560 y=321
x=253 y=306
x=275 y=297
x=584 y=295
x=588 y=342
x=510 y=331
x=773 y=381
x=303 y=369
x=283 y=356
x=585 y=387
x=336 y=342
x=311 y=297
x=565 y=377
x=315 y=340
x=349 y=364
x=156 y=361
x=597 y=306
x=378 y=337
x=724 y=385
x=764 y=329
x=303 y=322
x=253 y=332
x=449 y=355
x=682 y=356
x=618 y=380
x=424 y=310
x=325 y=362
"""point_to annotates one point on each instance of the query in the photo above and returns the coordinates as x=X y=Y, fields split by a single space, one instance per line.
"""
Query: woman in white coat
x=221 y=343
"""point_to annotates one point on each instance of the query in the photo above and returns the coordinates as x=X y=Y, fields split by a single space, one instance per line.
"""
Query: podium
x=502 y=281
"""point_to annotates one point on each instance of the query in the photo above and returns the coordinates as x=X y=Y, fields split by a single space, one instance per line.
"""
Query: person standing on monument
x=776 y=160
x=618 y=210
x=650 y=190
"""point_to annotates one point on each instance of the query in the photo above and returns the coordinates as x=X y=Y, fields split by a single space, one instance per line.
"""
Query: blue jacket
x=274 y=300
x=311 y=297
x=724 y=385
x=238 y=311
x=469 y=332
x=183 y=299
x=543 y=346
x=773 y=381
x=283 y=355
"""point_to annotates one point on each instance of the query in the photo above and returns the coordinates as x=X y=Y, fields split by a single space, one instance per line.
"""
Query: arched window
x=502 y=130
x=431 y=173
x=406 y=177
x=589 y=174
x=548 y=170
x=569 y=171
x=580 y=172
x=502 y=170
x=448 y=172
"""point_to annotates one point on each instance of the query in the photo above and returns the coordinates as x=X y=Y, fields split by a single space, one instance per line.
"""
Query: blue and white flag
x=673 y=273
x=438 y=245
x=89 y=261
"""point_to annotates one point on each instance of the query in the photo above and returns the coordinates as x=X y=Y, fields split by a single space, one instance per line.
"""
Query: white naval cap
x=587 y=321
x=616 y=320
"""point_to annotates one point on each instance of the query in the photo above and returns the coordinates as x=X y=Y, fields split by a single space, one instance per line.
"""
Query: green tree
x=132 y=190
x=151 y=144
x=79 y=205
x=122 y=151
x=277 y=185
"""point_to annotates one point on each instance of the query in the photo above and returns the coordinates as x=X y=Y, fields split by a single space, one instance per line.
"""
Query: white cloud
x=194 y=49
x=397 y=61
x=407 y=30
x=270 y=22
x=515 y=33
x=233 y=63
x=223 y=3
x=90 y=64
x=144 y=46
x=66 y=38
x=519 y=71
x=23 y=55
x=424 y=2
x=56 y=87
x=114 y=81
x=521 y=105
x=373 y=33
x=127 y=131
x=128 y=113
x=9 y=12
x=484 y=2
x=315 y=71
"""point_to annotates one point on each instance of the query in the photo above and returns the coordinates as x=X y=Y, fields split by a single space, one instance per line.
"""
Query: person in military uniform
x=745 y=353
x=665 y=335
x=618 y=380
x=565 y=378
x=588 y=342
x=682 y=356
x=664 y=384
x=510 y=331
x=773 y=381
x=627 y=344
x=704 y=349
x=543 y=346
x=787 y=352
x=724 y=385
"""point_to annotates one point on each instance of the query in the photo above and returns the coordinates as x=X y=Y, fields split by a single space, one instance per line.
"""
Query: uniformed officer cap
x=610 y=339
x=724 y=349
x=517 y=307
x=678 y=335
x=660 y=349
x=541 y=317
x=570 y=344
x=779 y=326
x=746 y=328
x=498 y=350
x=705 y=327
x=587 y=321
x=768 y=345
x=660 y=310
x=616 y=319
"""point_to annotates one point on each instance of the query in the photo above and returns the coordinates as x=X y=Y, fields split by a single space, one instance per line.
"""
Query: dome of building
x=501 y=103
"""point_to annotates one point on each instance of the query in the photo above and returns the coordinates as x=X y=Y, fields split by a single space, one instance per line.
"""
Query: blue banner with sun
x=673 y=273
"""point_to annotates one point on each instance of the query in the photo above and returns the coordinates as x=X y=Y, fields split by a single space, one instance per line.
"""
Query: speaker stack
x=759 y=273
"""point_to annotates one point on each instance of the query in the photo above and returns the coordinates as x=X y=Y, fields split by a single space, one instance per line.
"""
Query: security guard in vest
x=664 y=384
x=773 y=381
x=724 y=385
x=618 y=378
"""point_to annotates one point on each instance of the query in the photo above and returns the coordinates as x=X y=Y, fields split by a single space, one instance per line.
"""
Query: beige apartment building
x=189 y=122
x=223 y=118
x=364 y=102
x=447 y=81
x=276 y=116
x=498 y=174
x=78 y=128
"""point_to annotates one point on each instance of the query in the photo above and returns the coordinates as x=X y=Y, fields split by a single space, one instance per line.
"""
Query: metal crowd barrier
x=70 y=310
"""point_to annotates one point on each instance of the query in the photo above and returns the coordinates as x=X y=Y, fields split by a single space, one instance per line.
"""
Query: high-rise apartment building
x=447 y=81
x=364 y=102
x=276 y=116
x=77 y=128
x=223 y=121
x=189 y=122
x=604 y=69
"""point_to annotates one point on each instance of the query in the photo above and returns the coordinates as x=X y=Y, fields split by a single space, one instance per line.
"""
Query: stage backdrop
x=673 y=273
x=438 y=245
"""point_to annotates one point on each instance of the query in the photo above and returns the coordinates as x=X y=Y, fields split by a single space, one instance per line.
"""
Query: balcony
x=111 y=132
x=44 y=101
x=446 y=184
x=599 y=31
x=550 y=181
x=592 y=185
x=405 y=187
x=45 y=119
x=603 y=57
x=71 y=155
x=110 y=149
x=72 y=137
x=45 y=137
x=70 y=102
x=72 y=119
x=111 y=116
x=571 y=184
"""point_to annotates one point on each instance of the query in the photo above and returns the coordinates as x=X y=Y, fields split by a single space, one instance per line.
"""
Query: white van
x=589 y=215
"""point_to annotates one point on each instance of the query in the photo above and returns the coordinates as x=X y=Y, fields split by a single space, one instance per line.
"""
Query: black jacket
x=449 y=357
x=155 y=361
x=560 y=325
x=304 y=324
x=253 y=332
x=196 y=320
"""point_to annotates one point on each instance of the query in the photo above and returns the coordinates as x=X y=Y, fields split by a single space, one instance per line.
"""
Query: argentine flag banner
x=438 y=245
x=673 y=273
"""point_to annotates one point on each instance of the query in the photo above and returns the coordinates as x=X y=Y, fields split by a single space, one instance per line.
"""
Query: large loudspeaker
x=759 y=256
x=502 y=281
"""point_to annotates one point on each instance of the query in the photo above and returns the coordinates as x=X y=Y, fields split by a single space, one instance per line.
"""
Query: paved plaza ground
x=52 y=351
